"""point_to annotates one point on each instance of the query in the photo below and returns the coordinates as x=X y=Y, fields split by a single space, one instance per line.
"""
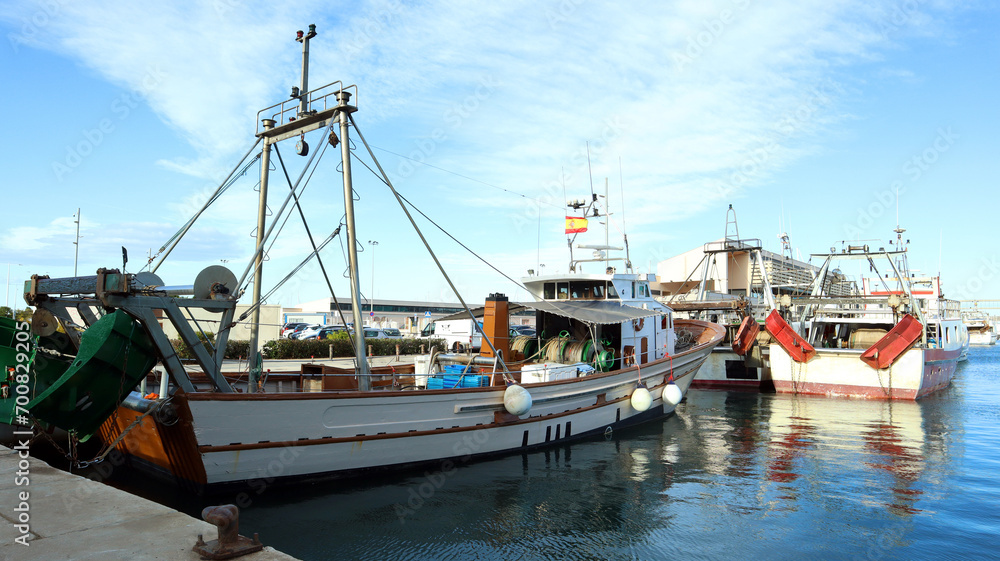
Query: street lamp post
x=371 y=310
x=76 y=254
x=7 y=290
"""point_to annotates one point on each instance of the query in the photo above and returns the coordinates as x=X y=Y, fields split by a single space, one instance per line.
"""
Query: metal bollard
x=230 y=543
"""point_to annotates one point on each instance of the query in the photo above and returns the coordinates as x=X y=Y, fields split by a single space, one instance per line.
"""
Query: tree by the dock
x=17 y=315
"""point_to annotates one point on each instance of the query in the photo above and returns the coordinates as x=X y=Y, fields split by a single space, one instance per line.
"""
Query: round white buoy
x=641 y=399
x=672 y=394
x=516 y=400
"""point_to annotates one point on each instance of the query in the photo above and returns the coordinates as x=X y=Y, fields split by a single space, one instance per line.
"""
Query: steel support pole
x=258 y=273
x=364 y=372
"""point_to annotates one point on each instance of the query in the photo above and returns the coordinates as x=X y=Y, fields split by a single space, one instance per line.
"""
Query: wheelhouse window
x=612 y=293
x=588 y=290
x=549 y=291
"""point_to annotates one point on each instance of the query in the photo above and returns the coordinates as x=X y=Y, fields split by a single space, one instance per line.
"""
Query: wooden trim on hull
x=730 y=384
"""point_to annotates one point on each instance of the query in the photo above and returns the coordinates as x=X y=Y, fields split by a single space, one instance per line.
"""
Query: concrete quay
x=65 y=516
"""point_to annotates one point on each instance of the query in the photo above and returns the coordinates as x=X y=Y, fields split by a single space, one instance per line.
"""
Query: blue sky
x=806 y=116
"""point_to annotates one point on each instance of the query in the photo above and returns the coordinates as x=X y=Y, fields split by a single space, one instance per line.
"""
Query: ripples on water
x=732 y=475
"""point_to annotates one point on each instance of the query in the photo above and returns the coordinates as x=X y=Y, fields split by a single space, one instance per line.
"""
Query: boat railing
x=877 y=314
x=317 y=100
x=748 y=244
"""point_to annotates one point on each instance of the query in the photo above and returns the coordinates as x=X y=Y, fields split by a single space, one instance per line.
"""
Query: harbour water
x=731 y=475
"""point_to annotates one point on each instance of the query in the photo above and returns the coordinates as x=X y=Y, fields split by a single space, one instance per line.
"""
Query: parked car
x=522 y=330
x=289 y=328
x=318 y=331
x=297 y=334
x=382 y=333
x=328 y=330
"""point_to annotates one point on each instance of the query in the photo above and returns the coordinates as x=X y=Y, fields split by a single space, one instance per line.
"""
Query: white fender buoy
x=672 y=394
x=641 y=399
x=516 y=400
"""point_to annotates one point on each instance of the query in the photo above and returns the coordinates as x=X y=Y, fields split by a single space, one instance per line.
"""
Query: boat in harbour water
x=898 y=339
x=981 y=332
x=606 y=356
x=741 y=299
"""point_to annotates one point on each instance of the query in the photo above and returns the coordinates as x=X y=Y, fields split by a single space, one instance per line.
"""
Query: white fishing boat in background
x=734 y=288
x=607 y=355
x=899 y=339
x=981 y=331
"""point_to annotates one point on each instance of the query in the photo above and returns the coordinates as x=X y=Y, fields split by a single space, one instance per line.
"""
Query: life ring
x=638 y=323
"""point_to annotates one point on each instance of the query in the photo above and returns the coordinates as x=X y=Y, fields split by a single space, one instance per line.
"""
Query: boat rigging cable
x=311 y=240
x=230 y=179
x=284 y=222
x=316 y=249
x=281 y=211
x=416 y=228
x=621 y=185
x=504 y=189
x=453 y=238
x=291 y=274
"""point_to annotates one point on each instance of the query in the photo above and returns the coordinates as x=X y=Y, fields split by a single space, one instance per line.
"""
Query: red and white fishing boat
x=899 y=339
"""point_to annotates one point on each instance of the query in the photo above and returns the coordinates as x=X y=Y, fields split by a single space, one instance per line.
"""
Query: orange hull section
x=896 y=342
x=793 y=343
x=173 y=449
x=746 y=336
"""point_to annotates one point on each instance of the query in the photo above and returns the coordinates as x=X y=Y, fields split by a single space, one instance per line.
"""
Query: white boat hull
x=982 y=338
x=241 y=438
x=726 y=370
x=841 y=372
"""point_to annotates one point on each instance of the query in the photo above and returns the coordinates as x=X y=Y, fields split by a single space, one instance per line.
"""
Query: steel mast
x=344 y=110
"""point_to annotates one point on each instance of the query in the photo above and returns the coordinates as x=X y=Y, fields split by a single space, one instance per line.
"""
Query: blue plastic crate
x=456 y=381
x=475 y=381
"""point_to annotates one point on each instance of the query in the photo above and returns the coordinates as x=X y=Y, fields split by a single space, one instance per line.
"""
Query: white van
x=458 y=334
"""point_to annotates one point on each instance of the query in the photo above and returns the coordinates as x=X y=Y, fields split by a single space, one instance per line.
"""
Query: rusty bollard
x=230 y=543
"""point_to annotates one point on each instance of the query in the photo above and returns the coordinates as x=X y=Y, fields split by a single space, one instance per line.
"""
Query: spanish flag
x=575 y=225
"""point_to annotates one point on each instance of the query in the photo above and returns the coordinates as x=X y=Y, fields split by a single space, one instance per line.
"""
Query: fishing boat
x=898 y=339
x=742 y=298
x=607 y=356
x=981 y=333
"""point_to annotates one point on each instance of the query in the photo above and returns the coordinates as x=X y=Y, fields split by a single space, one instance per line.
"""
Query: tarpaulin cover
x=593 y=311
